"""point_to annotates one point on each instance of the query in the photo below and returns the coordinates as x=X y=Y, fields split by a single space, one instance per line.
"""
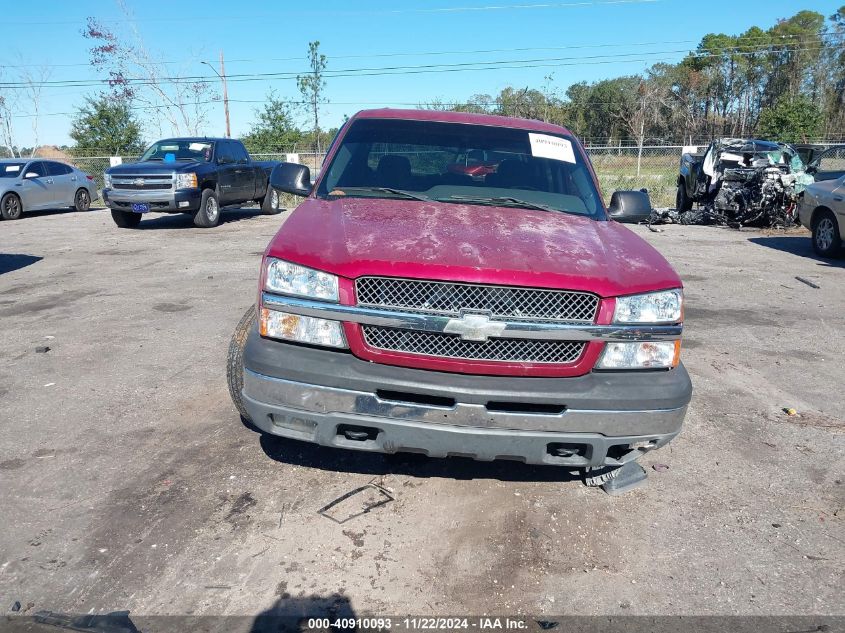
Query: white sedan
x=822 y=210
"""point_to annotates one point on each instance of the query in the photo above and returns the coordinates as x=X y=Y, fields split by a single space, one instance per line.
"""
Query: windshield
x=461 y=163
x=182 y=150
x=11 y=170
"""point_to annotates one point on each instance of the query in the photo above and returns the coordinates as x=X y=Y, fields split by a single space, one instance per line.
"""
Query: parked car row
x=38 y=184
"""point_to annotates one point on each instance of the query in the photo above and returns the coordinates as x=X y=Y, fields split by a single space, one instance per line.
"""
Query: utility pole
x=222 y=75
x=225 y=95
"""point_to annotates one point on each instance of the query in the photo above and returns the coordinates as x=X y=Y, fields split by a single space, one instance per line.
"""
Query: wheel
x=682 y=200
x=271 y=204
x=208 y=214
x=235 y=360
x=126 y=219
x=10 y=207
x=82 y=200
x=599 y=475
x=826 y=240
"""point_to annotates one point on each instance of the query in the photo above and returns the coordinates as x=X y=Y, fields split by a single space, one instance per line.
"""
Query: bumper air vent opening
x=534 y=408
x=406 y=397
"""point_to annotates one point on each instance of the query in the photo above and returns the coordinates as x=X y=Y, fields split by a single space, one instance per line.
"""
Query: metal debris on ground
x=808 y=282
x=16 y=606
x=356 y=502
x=660 y=467
x=42 y=349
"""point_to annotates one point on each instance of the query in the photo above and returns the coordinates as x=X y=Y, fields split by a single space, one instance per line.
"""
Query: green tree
x=106 y=124
x=274 y=128
x=312 y=85
x=792 y=120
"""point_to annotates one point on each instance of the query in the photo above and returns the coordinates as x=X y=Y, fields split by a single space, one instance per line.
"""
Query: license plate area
x=140 y=207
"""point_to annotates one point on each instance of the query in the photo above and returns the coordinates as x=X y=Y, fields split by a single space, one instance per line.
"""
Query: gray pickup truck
x=188 y=175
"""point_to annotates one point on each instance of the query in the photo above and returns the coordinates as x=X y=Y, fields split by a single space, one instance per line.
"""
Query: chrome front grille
x=500 y=302
x=514 y=350
x=143 y=183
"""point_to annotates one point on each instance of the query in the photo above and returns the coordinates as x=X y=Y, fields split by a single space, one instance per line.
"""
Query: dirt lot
x=128 y=481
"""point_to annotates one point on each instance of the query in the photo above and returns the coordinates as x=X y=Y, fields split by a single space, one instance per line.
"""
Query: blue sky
x=272 y=37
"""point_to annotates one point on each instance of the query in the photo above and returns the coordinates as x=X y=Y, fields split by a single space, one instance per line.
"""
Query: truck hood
x=153 y=167
x=352 y=237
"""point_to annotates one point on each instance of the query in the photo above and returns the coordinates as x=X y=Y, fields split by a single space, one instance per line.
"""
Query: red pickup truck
x=406 y=307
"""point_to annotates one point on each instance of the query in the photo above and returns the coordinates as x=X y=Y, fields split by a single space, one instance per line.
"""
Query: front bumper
x=334 y=399
x=163 y=200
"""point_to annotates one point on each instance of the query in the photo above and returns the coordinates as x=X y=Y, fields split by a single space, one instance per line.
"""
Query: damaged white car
x=741 y=182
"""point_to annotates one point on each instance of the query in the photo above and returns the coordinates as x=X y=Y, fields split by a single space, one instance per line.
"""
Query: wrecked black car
x=741 y=182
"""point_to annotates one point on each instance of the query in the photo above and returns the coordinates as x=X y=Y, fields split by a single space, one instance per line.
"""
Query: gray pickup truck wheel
x=599 y=475
x=235 y=360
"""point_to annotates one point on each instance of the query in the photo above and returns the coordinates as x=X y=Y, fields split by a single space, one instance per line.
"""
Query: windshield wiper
x=505 y=200
x=396 y=192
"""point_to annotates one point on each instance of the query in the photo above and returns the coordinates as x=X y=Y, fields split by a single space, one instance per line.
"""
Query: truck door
x=227 y=176
x=244 y=174
x=830 y=164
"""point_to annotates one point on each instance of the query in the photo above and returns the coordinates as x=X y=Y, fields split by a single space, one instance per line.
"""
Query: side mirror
x=812 y=168
x=291 y=178
x=630 y=206
x=30 y=174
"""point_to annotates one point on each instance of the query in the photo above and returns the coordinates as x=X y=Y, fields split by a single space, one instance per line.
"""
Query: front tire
x=596 y=476
x=10 y=207
x=826 y=240
x=682 y=200
x=82 y=200
x=126 y=219
x=235 y=360
x=272 y=202
x=208 y=215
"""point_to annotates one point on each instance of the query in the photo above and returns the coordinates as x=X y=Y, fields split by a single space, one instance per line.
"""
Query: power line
x=411 y=69
x=765 y=42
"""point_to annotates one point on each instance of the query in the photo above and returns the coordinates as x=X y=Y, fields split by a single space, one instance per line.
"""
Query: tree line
x=786 y=83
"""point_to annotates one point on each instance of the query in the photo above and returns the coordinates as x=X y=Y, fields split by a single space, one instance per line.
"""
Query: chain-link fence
x=655 y=168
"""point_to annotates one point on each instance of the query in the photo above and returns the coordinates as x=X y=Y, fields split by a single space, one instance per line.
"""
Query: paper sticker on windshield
x=556 y=148
x=197 y=147
x=13 y=168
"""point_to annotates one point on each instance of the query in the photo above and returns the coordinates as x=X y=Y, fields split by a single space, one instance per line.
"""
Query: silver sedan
x=822 y=210
x=36 y=184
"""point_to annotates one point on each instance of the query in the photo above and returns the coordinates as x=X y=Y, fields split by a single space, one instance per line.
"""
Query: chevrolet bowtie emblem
x=139 y=182
x=474 y=327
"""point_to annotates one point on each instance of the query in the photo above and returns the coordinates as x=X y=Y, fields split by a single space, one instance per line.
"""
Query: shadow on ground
x=185 y=221
x=16 y=261
x=326 y=458
x=799 y=245
x=292 y=614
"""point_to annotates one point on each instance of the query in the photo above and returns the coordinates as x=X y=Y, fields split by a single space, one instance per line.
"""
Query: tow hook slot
x=357 y=433
x=568 y=454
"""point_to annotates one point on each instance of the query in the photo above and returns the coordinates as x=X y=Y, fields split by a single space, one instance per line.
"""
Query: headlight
x=107 y=181
x=654 y=307
x=293 y=279
x=186 y=181
x=640 y=355
x=302 y=329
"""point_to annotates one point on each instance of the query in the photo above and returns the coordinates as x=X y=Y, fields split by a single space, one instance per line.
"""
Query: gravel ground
x=129 y=482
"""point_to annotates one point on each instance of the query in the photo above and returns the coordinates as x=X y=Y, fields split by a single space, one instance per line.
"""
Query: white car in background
x=37 y=184
x=822 y=210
